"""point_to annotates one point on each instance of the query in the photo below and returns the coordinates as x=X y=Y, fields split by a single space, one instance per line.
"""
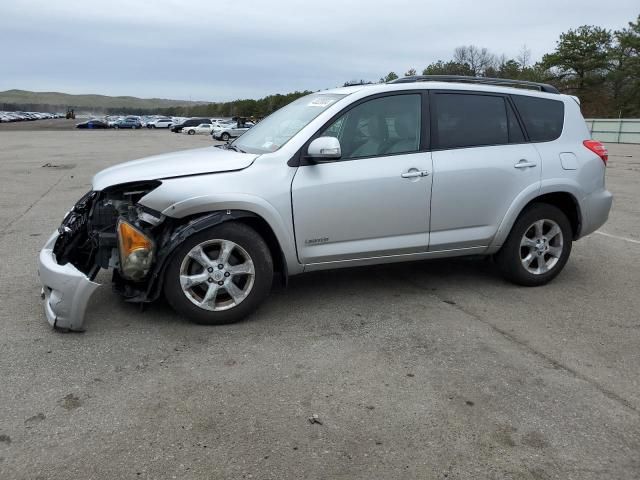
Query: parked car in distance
x=190 y=122
x=93 y=123
x=112 y=120
x=203 y=128
x=9 y=117
x=160 y=123
x=226 y=131
x=128 y=122
x=410 y=170
x=215 y=122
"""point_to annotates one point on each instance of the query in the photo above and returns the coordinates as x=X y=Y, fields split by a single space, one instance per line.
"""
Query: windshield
x=279 y=127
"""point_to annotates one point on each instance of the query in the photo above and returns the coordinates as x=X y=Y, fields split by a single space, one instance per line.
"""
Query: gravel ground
x=419 y=370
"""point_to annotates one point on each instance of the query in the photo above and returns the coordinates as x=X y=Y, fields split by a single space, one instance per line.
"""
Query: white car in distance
x=160 y=123
x=202 y=129
x=226 y=131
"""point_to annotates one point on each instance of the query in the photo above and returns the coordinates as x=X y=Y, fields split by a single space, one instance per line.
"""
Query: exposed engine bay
x=110 y=230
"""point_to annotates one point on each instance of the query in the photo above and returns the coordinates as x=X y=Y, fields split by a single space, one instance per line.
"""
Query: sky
x=217 y=50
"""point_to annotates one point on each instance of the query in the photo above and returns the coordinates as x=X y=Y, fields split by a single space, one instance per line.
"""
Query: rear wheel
x=219 y=275
x=225 y=137
x=538 y=246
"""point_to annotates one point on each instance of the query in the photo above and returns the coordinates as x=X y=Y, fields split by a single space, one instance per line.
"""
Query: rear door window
x=543 y=118
x=470 y=120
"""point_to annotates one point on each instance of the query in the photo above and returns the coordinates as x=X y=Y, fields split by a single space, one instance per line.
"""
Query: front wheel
x=225 y=137
x=191 y=132
x=538 y=246
x=219 y=275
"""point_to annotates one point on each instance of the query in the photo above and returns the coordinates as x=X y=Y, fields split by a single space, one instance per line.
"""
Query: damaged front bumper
x=66 y=291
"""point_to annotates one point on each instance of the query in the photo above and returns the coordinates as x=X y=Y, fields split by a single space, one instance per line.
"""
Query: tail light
x=597 y=148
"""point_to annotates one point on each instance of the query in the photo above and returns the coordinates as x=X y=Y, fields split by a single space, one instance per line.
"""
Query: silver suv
x=416 y=169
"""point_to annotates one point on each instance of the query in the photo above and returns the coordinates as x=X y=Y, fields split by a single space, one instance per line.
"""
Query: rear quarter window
x=543 y=118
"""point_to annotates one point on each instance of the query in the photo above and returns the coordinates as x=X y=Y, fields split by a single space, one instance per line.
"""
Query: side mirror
x=324 y=148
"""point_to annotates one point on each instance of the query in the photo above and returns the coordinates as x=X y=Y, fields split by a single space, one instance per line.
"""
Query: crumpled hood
x=175 y=164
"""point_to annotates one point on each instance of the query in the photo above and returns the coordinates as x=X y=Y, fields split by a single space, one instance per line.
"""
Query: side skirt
x=357 y=262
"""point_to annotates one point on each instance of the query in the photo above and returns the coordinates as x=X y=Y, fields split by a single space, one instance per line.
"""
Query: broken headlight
x=136 y=251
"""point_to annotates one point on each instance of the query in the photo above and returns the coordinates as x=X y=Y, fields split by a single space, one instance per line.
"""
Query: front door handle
x=414 y=173
x=524 y=164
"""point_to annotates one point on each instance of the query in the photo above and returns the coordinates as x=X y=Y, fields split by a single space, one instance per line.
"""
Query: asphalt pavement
x=434 y=369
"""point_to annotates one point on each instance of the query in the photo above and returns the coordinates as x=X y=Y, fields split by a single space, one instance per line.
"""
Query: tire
x=225 y=137
x=538 y=246
x=117 y=127
x=248 y=252
x=191 y=132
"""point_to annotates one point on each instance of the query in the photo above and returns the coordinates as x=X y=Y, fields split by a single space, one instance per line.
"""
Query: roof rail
x=543 y=87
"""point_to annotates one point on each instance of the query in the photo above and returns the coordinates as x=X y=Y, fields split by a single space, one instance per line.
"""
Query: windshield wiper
x=234 y=148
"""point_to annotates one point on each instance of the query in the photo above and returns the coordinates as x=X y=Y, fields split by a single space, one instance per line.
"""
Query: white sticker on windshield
x=321 y=102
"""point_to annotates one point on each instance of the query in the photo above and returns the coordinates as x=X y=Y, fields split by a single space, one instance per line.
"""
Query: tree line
x=599 y=66
x=236 y=108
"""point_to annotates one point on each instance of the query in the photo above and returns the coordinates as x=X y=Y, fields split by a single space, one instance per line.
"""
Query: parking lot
x=434 y=369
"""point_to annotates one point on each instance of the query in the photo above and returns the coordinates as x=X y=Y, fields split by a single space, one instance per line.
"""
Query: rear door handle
x=414 y=173
x=524 y=164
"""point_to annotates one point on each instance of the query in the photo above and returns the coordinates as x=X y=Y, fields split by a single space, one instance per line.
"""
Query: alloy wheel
x=217 y=275
x=541 y=246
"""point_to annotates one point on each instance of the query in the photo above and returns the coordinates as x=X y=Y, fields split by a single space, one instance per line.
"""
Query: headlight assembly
x=136 y=251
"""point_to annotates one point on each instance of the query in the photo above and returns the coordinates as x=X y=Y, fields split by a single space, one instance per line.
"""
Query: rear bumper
x=596 y=211
x=66 y=291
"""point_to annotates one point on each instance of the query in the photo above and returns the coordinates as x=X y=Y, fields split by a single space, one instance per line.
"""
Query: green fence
x=619 y=130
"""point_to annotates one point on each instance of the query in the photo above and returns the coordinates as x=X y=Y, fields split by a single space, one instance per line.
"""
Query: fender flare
x=526 y=197
x=175 y=237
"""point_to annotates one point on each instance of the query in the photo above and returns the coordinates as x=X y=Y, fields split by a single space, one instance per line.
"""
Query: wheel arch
x=565 y=198
x=183 y=228
x=260 y=225
x=568 y=204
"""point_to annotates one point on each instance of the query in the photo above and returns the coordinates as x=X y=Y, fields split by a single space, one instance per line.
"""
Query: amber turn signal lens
x=131 y=239
x=136 y=251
